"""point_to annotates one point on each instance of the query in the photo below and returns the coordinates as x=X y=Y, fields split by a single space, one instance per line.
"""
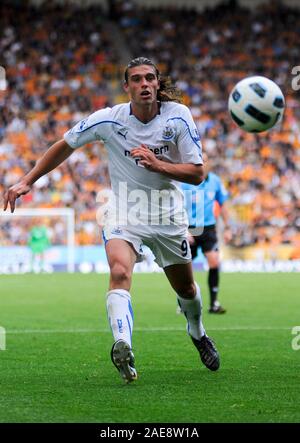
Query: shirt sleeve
x=188 y=140
x=222 y=194
x=95 y=127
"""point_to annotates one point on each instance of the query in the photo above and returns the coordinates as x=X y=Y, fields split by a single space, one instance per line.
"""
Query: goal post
x=67 y=213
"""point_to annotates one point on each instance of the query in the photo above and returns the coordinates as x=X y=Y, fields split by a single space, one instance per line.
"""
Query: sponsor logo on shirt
x=156 y=151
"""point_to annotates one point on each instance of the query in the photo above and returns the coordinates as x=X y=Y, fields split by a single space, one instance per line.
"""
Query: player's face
x=142 y=85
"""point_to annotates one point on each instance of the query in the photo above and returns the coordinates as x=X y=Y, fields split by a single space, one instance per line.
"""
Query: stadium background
x=63 y=61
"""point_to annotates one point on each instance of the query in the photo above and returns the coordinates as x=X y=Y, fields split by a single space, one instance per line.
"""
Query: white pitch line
x=158 y=329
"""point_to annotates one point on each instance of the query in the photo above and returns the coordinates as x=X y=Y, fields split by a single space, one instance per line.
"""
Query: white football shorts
x=167 y=249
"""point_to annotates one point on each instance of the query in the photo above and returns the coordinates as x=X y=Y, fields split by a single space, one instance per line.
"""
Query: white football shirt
x=141 y=195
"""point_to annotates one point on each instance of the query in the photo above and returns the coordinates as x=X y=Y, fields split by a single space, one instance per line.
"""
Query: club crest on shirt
x=168 y=132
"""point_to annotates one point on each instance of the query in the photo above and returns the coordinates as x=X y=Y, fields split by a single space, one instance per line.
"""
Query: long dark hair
x=167 y=92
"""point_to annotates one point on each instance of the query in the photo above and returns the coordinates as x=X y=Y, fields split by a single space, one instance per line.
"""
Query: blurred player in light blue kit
x=211 y=190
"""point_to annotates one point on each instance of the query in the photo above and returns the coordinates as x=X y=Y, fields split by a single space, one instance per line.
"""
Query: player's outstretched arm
x=52 y=158
x=183 y=172
x=225 y=217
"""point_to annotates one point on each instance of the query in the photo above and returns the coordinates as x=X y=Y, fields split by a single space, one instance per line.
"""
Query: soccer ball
x=256 y=104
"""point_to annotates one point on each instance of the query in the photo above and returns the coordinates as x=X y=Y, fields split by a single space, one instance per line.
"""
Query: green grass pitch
x=57 y=368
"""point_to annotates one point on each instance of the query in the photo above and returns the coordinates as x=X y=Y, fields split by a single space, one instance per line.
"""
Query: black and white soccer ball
x=256 y=104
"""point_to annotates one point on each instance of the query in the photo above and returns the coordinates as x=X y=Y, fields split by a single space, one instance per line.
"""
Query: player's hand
x=14 y=192
x=191 y=239
x=227 y=235
x=146 y=158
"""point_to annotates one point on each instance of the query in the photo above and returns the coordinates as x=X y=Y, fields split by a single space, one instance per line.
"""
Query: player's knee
x=120 y=273
x=213 y=260
x=187 y=291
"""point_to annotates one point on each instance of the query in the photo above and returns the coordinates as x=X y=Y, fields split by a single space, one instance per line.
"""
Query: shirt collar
x=158 y=112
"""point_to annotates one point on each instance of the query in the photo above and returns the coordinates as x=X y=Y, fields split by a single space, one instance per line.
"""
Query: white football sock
x=120 y=314
x=192 y=310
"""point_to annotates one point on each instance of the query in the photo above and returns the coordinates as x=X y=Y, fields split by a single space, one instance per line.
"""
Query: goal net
x=37 y=240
